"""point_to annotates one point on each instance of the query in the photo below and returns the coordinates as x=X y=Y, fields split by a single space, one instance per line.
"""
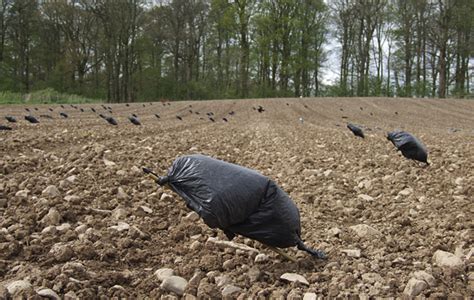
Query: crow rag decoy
x=237 y=200
x=409 y=145
x=357 y=131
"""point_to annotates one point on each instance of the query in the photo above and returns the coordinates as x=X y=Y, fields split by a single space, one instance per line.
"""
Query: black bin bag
x=409 y=145
x=237 y=200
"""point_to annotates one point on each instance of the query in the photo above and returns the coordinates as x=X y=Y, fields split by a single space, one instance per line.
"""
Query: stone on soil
x=174 y=284
x=292 y=277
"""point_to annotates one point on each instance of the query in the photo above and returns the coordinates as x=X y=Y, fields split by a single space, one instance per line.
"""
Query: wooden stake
x=282 y=253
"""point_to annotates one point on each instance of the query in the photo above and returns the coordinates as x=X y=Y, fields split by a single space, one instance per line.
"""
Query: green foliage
x=46 y=96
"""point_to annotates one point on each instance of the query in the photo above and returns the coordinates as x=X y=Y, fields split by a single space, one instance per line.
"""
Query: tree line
x=127 y=50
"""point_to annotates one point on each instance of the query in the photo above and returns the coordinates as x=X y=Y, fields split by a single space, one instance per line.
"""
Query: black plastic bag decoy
x=10 y=119
x=111 y=121
x=409 y=145
x=237 y=200
x=31 y=119
x=357 y=131
x=3 y=127
x=134 y=120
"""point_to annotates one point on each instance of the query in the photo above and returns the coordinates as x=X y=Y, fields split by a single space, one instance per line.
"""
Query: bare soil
x=67 y=241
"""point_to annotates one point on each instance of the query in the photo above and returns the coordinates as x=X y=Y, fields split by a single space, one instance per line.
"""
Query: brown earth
x=64 y=239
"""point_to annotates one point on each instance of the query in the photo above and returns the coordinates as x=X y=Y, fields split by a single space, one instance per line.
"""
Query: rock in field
x=352 y=252
x=428 y=278
x=174 y=284
x=414 y=287
x=292 y=277
x=19 y=287
x=49 y=294
x=447 y=260
x=163 y=273
x=261 y=258
x=230 y=291
x=310 y=296
x=51 y=192
x=363 y=230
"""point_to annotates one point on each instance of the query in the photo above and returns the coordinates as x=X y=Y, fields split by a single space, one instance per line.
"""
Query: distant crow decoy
x=62 y=106
x=357 y=131
x=111 y=120
x=31 y=119
x=232 y=113
x=127 y=105
x=3 y=127
x=82 y=109
x=27 y=109
x=260 y=109
x=102 y=116
x=134 y=120
x=135 y=115
x=224 y=119
x=409 y=145
x=64 y=115
x=10 y=119
x=157 y=116
x=179 y=118
x=50 y=109
x=93 y=110
x=212 y=119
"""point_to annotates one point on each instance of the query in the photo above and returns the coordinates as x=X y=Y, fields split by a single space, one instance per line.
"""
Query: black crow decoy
x=93 y=110
x=10 y=119
x=357 y=131
x=212 y=119
x=102 y=116
x=135 y=115
x=409 y=145
x=3 y=127
x=260 y=109
x=134 y=120
x=224 y=119
x=64 y=115
x=179 y=118
x=31 y=119
x=157 y=116
x=111 y=121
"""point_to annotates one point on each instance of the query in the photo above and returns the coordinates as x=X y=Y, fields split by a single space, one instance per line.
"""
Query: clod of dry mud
x=79 y=219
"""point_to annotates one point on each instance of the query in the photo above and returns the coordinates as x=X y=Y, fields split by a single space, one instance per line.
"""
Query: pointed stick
x=282 y=253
